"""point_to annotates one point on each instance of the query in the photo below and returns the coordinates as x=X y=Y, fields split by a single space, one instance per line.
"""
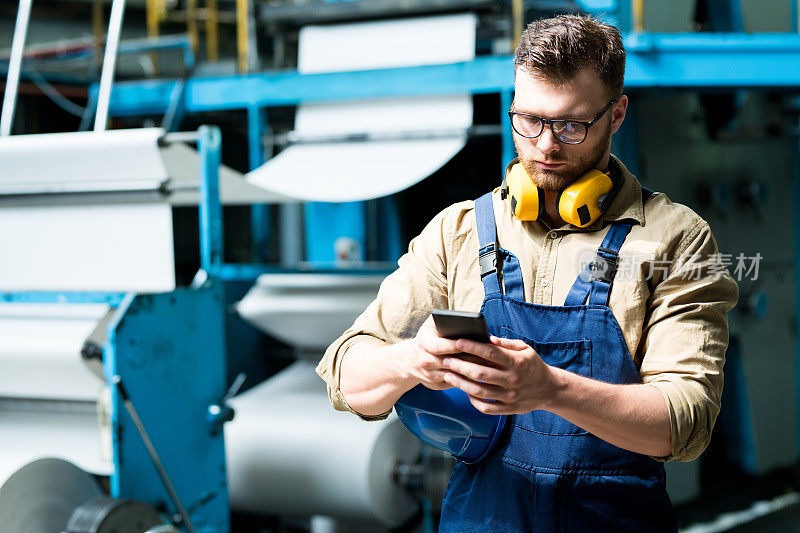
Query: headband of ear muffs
x=579 y=204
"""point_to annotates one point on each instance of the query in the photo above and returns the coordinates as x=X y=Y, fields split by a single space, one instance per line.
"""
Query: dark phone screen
x=460 y=325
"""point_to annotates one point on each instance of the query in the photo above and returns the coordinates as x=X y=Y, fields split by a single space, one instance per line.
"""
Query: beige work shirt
x=670 y=295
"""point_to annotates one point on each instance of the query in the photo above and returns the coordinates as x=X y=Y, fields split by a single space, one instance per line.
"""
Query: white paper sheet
x=125 y=159
x=385 y=115
x=183 y=167
x=340 y=172
x=87 y=248
x=387 y=43
x=347 y=172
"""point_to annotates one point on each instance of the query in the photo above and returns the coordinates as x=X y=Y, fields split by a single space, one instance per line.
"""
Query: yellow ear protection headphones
x=580 y=204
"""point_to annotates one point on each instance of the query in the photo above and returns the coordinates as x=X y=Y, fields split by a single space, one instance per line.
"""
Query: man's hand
x=424 y=353
x=374 y=374
x=510 y=378
x=506 y=376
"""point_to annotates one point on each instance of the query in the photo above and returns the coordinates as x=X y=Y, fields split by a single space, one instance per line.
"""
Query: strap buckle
x=604 y=268
x=488 y=259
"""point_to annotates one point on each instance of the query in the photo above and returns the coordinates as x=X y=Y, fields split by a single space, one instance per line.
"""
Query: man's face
x=553 y=165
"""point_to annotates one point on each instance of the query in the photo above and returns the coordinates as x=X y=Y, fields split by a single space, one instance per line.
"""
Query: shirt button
x=544 y=283
x=554 y=235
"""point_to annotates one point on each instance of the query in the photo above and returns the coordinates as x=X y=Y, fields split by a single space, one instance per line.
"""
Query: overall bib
x=546 y=474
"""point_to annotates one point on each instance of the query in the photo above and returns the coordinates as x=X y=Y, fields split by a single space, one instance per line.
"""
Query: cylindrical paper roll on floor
x=290 y=454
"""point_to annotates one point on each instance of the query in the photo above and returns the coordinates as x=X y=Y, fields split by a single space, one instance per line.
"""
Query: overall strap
x=593 y=285
x=489 y=254
x=605 y=264
x=500 y=270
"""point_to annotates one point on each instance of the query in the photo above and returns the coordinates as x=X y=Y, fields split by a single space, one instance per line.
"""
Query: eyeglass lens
x=565 y=131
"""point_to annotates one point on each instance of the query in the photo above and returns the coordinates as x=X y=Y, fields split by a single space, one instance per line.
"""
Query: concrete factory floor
x=738 y=503
x=730 y=502
x=787 y=520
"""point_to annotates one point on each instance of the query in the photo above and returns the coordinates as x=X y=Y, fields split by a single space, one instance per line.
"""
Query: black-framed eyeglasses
x=566 y=131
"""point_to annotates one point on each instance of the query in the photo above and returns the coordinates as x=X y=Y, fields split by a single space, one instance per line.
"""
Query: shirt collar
x=628 y=203
x=626 y=206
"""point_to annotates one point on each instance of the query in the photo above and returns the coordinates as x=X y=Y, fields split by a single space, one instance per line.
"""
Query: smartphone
x=460 y=325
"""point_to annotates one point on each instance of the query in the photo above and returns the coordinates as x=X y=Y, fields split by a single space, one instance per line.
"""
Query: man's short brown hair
x=558 y=48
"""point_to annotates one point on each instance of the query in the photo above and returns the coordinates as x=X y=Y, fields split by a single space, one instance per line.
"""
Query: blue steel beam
x=484 y=75
x=212 y=244
x=711 y=60
x=693 y=60
x=52 y=297
x=259 y=214
x=508 y=152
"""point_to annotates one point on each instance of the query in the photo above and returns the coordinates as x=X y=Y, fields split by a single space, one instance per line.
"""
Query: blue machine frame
x=169 y=349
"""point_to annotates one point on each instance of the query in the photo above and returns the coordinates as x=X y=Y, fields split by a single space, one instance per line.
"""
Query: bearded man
x=603 y=372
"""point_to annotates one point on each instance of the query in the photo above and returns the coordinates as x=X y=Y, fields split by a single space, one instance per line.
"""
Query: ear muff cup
x=580 y=204
x=527 y=200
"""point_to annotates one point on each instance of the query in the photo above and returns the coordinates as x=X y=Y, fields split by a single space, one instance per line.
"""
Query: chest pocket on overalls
x=572 y=356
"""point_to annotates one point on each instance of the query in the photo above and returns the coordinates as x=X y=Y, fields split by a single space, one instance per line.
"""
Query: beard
x=573 y=169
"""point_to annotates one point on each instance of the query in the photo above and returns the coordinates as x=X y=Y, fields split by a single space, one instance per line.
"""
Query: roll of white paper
x=48 y=161
x=307 y=311
x=290 y=454
x=71 y=435
x=123 y=247
x=40 y=351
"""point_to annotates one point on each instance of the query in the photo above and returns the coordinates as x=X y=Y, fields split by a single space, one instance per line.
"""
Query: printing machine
x=119 y=387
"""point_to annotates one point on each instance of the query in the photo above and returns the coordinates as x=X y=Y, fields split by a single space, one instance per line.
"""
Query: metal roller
x=110 y=515
x=42 y=495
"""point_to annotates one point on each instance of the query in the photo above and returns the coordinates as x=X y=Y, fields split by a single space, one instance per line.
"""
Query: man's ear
x=618 y=113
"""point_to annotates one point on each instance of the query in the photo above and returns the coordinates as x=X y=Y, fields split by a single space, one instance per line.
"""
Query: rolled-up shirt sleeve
x=685 y=336
x=404 y=301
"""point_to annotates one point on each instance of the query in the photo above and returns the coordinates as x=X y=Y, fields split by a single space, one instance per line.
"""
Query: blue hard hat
x=446 y=419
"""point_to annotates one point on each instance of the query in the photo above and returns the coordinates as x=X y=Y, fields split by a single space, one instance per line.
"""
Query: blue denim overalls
x=546 y=474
